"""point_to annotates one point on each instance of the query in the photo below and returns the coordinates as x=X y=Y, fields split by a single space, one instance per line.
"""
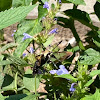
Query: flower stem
x=35 y=84
x=55 y=96
x=72 y=27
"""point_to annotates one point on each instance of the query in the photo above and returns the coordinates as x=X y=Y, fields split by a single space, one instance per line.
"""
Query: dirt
x=63 y=34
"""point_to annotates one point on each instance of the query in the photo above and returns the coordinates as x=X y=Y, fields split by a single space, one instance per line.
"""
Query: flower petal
x=53 y=71
x=72 y=89
x=31 y=50
x=63 y=69
x=26 y=36
x=59 y=72
x=53 y=31
x=46 y=5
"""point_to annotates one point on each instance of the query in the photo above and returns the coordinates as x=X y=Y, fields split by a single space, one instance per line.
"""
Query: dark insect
x=56 y=56
x=53 y=56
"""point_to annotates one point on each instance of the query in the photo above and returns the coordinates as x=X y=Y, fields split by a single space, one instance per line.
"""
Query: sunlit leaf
x=90 y=57
x=29 y=81
x=77 y=2
x=67 y=76
x=95 y=96
x=12 y=16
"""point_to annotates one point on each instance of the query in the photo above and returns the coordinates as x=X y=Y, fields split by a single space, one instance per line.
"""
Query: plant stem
x=72 y=27
x=35 y=84
x=55 y=96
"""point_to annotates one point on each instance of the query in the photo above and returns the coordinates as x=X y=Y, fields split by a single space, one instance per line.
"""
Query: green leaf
x=31 y=97
x=77 y=2
x=16 y=97
x=42 y=12
x=5 y=62
x=8 y=85
x=32 y=28
x=95 y=96
x=94 y=72
x=7 y=46
x=13 y=60
x=90 y=57
x=81 y=16
x=1 y=79
x=1 y=97
x=67 y=76
x=98 y=0
x=49 y=40
x=89 y=83
x=29 y=81
x=12 y=16
x=44 y=1
x=97 y=9
x=17 y=60
x=5 y=4
x=17 y=3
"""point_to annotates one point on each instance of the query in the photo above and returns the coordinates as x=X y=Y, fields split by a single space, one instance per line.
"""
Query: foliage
x=22 y=69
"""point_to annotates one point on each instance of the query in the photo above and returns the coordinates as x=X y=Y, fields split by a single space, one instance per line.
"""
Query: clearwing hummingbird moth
x=48 y=56
x=55 y=57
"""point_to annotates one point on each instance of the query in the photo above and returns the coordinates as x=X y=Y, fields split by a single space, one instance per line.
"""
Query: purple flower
x=72 y=89
x=26 y=36
x=55 y=19
x=46 y=5
x=31 y=50
x=60 y=1
x=24 y=54
x=60 y=71
x=14 y=31
x=53 y=31
x=12 y=34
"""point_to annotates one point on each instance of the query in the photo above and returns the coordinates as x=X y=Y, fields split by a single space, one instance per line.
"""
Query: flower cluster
x=62 y=70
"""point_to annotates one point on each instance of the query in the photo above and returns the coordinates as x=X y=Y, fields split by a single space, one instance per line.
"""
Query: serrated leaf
x=29 y=81
x=30 y=27
x=81 y=16
x=17 y=3
x=5 y=62
x=95 y=96
x=90 y=57
x=94 y=72
x=97 y=9
x=7 y=46
x=17 y=60
x=77 y=2
x=67 y=76
x=12 y=16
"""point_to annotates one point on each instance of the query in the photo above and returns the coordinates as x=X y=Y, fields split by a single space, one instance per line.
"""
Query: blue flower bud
x=46 y=5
